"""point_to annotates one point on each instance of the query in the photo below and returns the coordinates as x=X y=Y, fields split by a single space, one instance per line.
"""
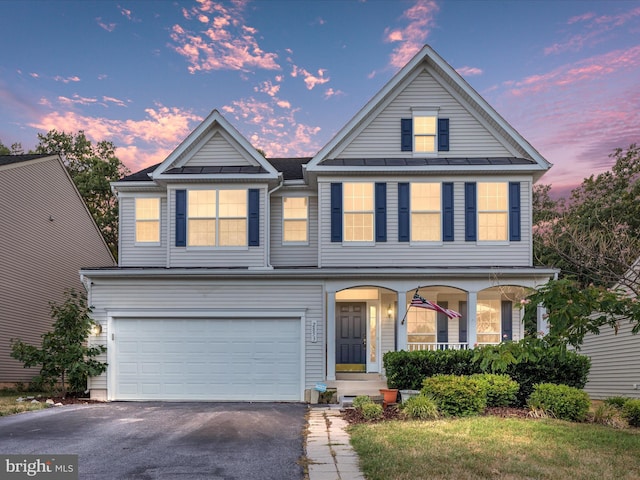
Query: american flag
x=418 y=301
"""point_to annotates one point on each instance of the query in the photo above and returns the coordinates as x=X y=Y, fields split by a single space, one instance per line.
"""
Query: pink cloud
x=469 y=71
x=125 y=12
x=309 y=79
x=330 y=92
x=581 y=18
x=420 y=19
x=109 y=27
x=267 y=87
x=228 y=44
x=59 y=78
x=77 y=100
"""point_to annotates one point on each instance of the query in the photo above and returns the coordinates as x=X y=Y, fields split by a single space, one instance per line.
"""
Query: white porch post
x=542 y=322
x=401 y=329
x=472 y=312
x=331 y=335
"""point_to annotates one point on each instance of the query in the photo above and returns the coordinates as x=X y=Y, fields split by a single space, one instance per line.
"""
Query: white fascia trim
x=430 y=169
x=207 y=313
x=208 y=177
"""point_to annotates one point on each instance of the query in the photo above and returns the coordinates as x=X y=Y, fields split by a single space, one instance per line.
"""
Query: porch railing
x=411 y=346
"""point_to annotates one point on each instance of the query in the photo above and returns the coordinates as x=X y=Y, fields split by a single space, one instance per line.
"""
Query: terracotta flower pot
x=390 y=395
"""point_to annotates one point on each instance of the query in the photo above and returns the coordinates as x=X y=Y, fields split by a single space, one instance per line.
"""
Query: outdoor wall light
x=96 y=329
x=390 y=311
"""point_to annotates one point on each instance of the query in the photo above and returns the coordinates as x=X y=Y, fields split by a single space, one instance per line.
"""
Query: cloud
x=145 y=141
x=309 y=79
x=267 y=87
x=420 y=19
x=59 y=78
x=469 y=71
x=125 y=12
x=109 y=27
x=330 y=92
x=227 y=43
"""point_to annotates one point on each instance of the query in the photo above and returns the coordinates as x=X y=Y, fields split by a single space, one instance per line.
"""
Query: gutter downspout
x=267 y=240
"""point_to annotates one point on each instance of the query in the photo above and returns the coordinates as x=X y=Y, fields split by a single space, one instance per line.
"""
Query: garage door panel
x=207 y=359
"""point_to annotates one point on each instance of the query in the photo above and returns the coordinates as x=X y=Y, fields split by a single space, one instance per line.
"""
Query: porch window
x=217 y=218
x=421 y=326
x=489 y=322
x=295 y=219
x=492 y=211
x=426 y=215
x=358 y=212
x=147 y=220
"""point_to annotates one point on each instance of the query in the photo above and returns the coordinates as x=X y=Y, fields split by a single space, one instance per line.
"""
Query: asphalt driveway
x=154 y=440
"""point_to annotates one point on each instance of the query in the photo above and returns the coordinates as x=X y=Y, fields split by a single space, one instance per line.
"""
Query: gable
x=380 y=136
x=217 y=150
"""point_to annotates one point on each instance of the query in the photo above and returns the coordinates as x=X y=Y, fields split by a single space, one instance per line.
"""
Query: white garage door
x=206 y=359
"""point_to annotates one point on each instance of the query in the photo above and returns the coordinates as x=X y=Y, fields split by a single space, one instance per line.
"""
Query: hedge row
x=527 y=362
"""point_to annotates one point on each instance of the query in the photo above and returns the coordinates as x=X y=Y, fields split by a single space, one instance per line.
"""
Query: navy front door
x=351 y=333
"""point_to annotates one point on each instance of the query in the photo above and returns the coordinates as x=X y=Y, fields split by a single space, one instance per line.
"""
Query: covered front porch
x=365 y=321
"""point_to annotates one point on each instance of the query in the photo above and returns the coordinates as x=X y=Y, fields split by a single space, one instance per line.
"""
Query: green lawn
x=496 y=448
x=9 y=405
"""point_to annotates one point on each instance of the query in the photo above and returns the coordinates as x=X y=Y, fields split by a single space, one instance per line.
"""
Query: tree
x=595 y=236
x=92 y=168
x=574 y=310
x=63 y=356
x=14 y=149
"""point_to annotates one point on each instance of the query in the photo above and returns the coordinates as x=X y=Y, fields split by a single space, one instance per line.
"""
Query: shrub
x=609 y=415
x=501 y=389
x=560 y=401
x=456 y=395
x=631 y=411
x=616 y=402
x=371 y=411
x=421 y=407
x=360 y=401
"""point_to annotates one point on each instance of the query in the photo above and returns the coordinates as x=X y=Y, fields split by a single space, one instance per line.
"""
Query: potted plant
x=389 y=395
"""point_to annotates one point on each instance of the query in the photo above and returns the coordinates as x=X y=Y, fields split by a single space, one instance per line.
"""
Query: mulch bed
x=393 y=413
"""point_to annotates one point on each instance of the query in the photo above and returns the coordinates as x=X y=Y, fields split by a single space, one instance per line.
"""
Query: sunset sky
x=290 y=73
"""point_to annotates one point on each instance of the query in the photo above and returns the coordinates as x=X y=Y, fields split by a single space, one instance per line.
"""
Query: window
x=295 y=219
x=421 y=325
x=426 y=219
x=489 y=323
x=358 y=212
x=424 y=133
x=217 y=218
x=492 y=211
x=147 y=220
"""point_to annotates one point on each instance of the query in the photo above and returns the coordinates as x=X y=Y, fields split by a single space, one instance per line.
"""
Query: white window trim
x=359 y=243
x=284 y=220
x=424 y=112
x=217 y=218
x=136 y=242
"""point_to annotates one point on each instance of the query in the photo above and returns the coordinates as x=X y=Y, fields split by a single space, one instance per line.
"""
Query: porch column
x=472 y=312
x=542 y=323
x=401 y=329
x=331 y=335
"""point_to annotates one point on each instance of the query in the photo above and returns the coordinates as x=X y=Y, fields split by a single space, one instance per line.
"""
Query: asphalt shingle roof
x=9 y=159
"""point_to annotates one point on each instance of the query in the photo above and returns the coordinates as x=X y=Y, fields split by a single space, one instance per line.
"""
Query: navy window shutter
x=507 y=320
x=181 y=218
x=447 y=212
x=462 y=322
x=514 y=211
x=442 y=325
x=406 y=134
x=470 y=221
x=254 y=217
x=403 y=212
x=381 y=212
x=443 y=134
x=336 y=212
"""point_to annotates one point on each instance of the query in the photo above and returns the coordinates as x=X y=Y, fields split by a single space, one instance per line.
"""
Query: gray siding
x=132 y=255
x=615 y=363
x=293 y=255
x=218 y=295
x=468 y=137
x=458 y=253
x=219 y=151
x=47 y=237
x=215 y=257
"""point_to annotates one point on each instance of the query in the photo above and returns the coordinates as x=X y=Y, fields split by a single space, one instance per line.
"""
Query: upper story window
x=358 y=204
x=217 y=218
x=424 y=133
x=147 y=220
x=493 y=211
x=426 y=216
x=295 y=219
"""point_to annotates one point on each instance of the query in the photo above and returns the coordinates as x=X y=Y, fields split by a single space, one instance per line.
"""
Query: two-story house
x=245 y=278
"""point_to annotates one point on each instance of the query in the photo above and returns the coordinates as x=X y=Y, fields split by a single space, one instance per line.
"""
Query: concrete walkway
x=329 y=452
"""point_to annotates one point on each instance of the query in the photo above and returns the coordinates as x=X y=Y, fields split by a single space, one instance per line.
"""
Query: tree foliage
x=63 y=356
x=595 y=235
x=14 y=149
x=92 y=168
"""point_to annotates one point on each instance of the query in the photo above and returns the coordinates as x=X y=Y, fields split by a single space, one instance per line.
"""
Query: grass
x=9 y=405
x=496 y=448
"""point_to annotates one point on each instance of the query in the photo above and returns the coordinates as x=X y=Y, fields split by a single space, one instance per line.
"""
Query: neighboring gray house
x=245 y=278
x=46 y=236
x=615 y=357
